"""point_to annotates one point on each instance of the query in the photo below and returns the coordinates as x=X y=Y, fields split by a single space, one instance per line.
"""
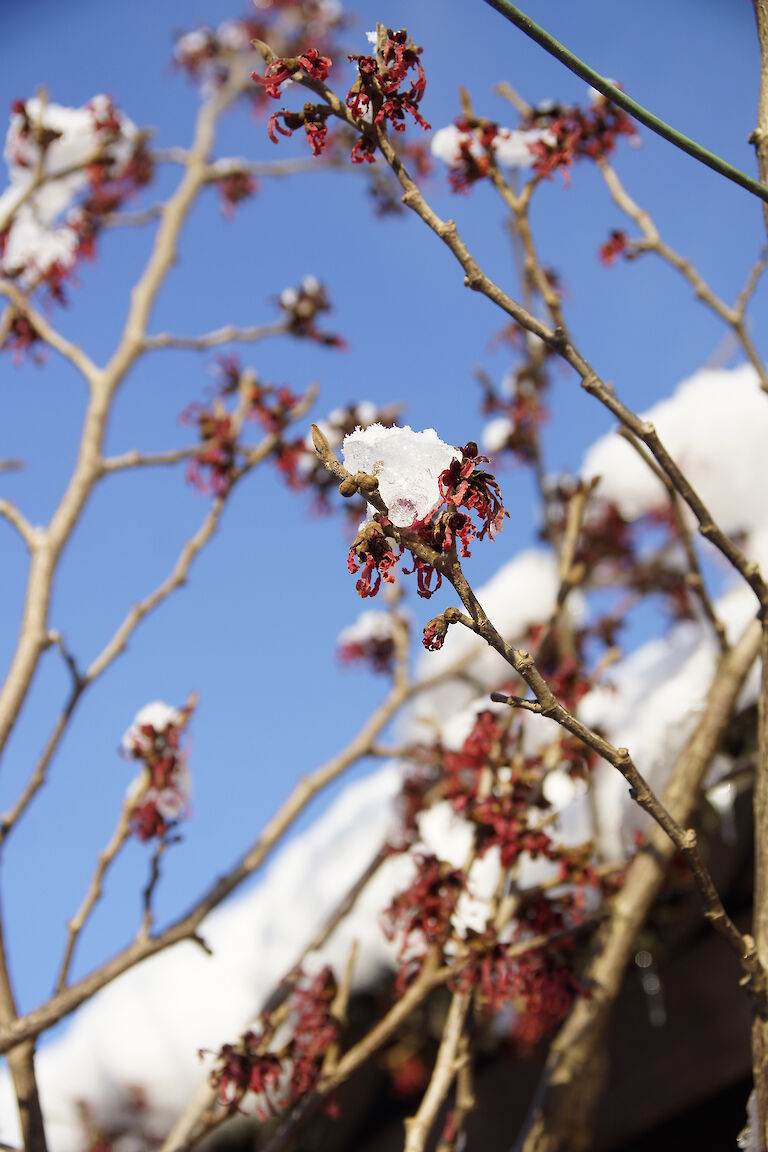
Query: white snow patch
x=407 y=465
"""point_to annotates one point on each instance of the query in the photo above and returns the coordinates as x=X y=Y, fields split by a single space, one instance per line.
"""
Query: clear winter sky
x=254 y=631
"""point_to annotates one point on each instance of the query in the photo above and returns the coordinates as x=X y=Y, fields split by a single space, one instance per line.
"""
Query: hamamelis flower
x=160 y=794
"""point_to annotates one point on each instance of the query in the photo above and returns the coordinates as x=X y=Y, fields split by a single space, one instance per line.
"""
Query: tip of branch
x=321 y=444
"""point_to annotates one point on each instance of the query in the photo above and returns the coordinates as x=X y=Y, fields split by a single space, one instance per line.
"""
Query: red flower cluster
x=22 y=335
x=377 y=652
x=109 y=185
x=463 y=768
x=313 y=117
x=490 y=971
x=377 y=90
x=163 y=794
x=280 y=70
x=233 y=189
x=245 y=1067
x=465 y=485
x=217 y=453
x=434 y=633
x=301 y=306
x=467 y=167
x=270 y=405
x=576 y=133
x=373 y=550
x=613 y=247
x=421 y=914
x=254 y=1066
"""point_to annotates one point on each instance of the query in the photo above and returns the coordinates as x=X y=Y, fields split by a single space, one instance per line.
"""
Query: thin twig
x=695 y=578
x=75 y=926
x=229 y=334
x=652 y=242
x=760 y=903
x=17 y=520
x=419 y=1126
x=133 y=219
x=48 y=334
x=154 y=879
x=136 y=459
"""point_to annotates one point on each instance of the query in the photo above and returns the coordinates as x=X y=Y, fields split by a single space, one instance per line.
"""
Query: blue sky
x=254 y=631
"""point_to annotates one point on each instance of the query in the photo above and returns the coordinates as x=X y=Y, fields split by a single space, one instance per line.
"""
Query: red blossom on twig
x=373 y=550
x=614 y=246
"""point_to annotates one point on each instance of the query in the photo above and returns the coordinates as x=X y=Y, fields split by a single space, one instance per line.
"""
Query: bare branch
x=752 y=281
x=133 y=219
x=75 y=926
x=760 y=919
x=17 y=520
x=419 y=1126
x=652 y=242
x=136 y=459
x=21 y=1065
x=229 y=334
x=154 y=879
x=695 y=579
x=48 y=334
x=232 y=166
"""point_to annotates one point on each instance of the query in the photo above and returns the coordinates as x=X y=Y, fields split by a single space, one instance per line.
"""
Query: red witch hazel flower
x=271 y=405
x=280 y=1075
x=301 y=306
x=614 y=246
x=160 y=795
x=369 y=639
x=373 y=551
x=424 y=484
x=278 y=70
x=90 y=159
x=376 y=94
x=465 y=485
x=421 y=914
x=217 y=451
x=233 y=188
x=574 y=133
x=22 y=335
x=313 y=117
x=471 y=147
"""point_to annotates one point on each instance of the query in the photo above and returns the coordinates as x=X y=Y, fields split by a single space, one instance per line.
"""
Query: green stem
x=616 y=96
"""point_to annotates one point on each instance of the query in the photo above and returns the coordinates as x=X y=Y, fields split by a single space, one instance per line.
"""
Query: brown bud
x=348 y=487
x=366 y=483
x=319 y=441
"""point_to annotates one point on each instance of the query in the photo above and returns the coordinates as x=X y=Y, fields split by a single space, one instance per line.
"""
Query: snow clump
x=407 y=465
